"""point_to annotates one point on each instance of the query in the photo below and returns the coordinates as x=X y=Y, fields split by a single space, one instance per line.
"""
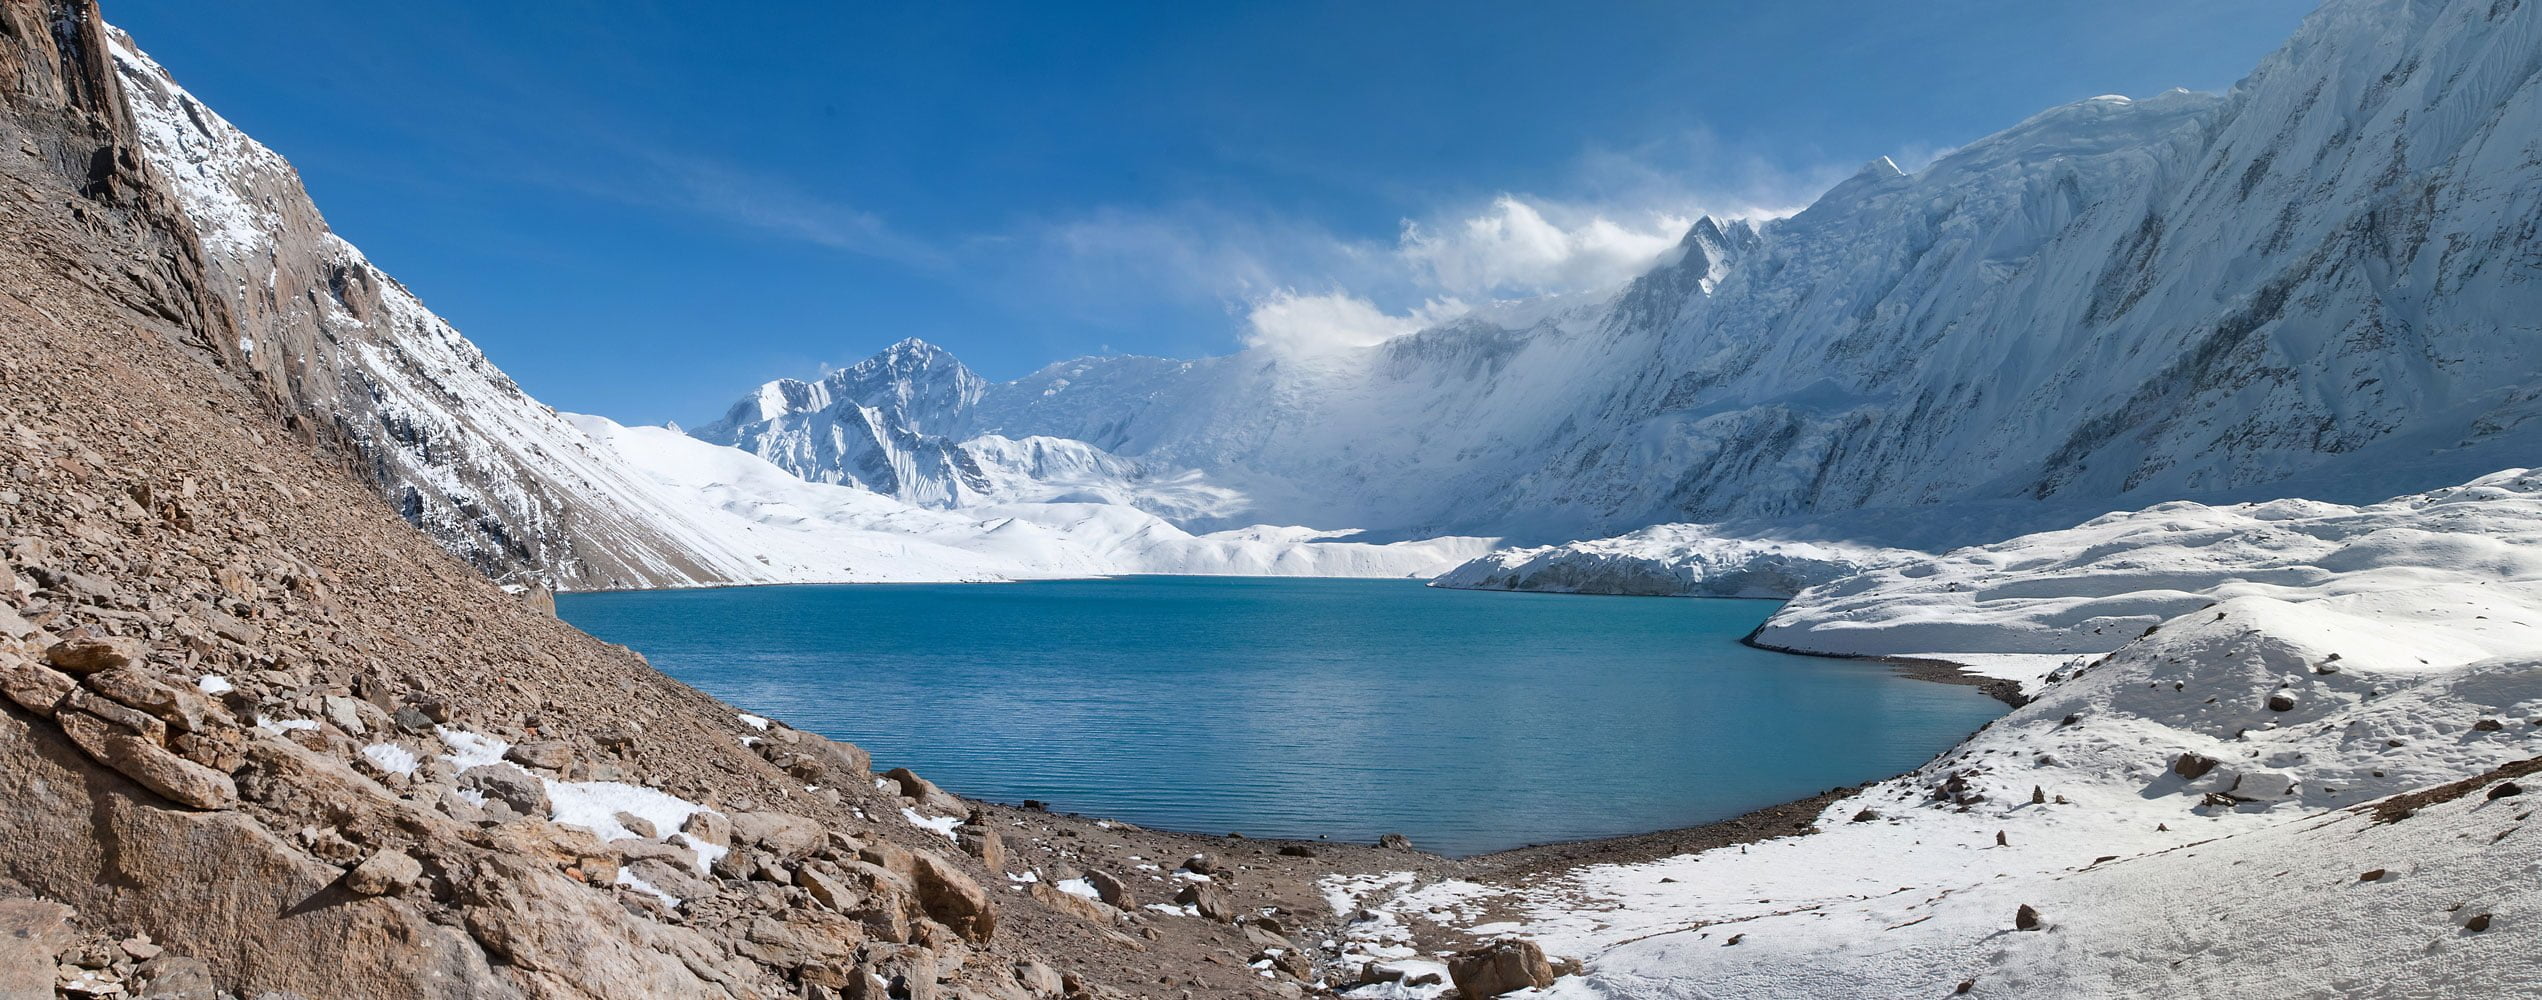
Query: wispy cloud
x=730 y=195
x=1284 y=283
x=1302 y=288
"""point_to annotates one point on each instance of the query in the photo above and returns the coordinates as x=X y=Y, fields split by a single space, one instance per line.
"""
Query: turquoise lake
x=1468 y=721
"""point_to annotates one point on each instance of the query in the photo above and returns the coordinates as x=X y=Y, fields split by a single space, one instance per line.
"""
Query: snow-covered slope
x=2331 y=274
x=350 y=356
x=2171 y=805
x=2095 y=587
x=807 y=532
x=1671 y=560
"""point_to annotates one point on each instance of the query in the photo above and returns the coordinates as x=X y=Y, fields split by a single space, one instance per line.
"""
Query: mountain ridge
x=2114 y=301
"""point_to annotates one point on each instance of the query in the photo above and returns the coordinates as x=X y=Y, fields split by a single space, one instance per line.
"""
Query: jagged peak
x=903 y=359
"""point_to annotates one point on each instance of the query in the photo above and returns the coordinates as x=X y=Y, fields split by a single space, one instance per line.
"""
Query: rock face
x=350 y=357
x=1500 y=967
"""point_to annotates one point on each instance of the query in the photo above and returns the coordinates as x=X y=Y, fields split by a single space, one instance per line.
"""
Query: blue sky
x=642 y=209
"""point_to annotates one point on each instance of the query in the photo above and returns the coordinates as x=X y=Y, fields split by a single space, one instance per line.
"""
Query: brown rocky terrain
x=246 y=705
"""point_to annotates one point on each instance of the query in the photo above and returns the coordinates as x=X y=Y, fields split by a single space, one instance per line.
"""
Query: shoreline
x=1922 y=668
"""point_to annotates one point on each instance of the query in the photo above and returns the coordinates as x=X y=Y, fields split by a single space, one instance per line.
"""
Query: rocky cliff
x=352 y=361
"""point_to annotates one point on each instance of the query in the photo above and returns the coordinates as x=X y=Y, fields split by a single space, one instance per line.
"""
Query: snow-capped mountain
x=880 y=424
x=530 y=495
x=2322 y=282
x=907 y=423
x=2328 y=276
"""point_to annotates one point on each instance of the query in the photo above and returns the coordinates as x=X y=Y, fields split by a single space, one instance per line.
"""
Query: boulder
x=1112 y=890
x=35 y=687
x=788 y=835
x=343 y=713
x=708 y=828
x=838 y=762
x=183 y=708
x=1499 y=968
x=516 y=789
x=121 y=716
x=926 y=793
x=552 y=755
x=890 y=857
x=1395 y=842
x=2193 y=766
x=803 y=938
x=384 y=873
x=827 y=888
x=90 y=654
x=173 y=977
x=952 y=898
x=677 y=880
x=1073 y=905
x=1211 y=901
x=2265 y=785
x=983 y=843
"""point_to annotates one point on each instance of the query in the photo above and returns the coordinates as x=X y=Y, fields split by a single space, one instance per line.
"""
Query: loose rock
x=1498 y=968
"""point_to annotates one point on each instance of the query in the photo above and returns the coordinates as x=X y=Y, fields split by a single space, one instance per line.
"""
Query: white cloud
x=1512 y=248
x=1302 y=325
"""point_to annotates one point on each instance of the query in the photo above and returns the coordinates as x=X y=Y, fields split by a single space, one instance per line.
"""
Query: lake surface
x=1346 y=709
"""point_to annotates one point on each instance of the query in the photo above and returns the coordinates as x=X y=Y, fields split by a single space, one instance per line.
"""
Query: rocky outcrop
x=1498 y=968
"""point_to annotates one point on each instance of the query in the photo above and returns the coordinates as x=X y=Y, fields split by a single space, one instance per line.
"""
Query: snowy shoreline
x=2212 y=690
